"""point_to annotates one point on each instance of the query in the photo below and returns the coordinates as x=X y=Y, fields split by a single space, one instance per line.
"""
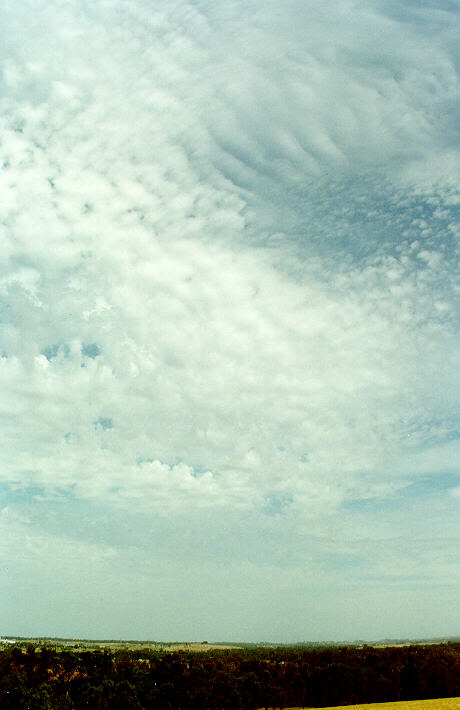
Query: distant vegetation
x=38 y=677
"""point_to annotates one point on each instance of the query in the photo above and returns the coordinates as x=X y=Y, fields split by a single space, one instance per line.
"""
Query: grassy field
x=439 y=704
x=84 y=645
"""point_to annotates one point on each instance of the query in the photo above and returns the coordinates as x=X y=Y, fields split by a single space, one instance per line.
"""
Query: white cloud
x=228 y=259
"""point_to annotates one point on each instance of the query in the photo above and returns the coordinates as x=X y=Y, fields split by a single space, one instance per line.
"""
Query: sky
x=229 y=309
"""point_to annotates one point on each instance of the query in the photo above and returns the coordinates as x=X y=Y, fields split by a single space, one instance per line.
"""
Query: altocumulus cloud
x=229 y=292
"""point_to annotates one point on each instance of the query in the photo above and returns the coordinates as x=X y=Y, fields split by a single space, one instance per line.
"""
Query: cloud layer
x=229 y=296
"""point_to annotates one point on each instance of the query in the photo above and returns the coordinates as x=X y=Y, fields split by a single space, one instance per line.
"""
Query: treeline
x=42 y=678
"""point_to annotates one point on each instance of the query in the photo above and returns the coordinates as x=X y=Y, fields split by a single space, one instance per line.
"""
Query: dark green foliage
x=41 y=678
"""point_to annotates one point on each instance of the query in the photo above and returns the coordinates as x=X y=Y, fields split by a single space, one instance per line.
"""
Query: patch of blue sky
x=277 y=505
x=432 y=485
x=428 y=487
x=64 y=515
x=104 y=423
x=413 y=10
x=91 y=350
x=52 y=351
x=375 y=217
x=141 y=460
x=17 y=494
x=440 y=437
x=452 y=432
x=197 y=470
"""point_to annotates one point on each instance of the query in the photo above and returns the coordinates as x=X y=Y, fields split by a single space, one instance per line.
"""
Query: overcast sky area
x=229 y=317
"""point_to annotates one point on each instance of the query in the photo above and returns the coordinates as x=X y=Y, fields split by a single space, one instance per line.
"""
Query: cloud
x=229 y=278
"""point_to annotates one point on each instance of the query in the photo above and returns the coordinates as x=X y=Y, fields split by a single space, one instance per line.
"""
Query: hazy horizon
x=432 y=640
x=229 y=318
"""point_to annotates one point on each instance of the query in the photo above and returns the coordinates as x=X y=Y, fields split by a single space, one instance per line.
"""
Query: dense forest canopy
x=38 y=677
